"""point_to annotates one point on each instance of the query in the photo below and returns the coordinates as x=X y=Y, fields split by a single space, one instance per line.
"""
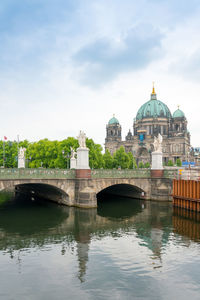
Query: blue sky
x=69 y=65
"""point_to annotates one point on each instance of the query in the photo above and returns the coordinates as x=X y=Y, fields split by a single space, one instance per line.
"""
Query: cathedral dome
x=113 y=120
x=178 y=114
x=153 y=109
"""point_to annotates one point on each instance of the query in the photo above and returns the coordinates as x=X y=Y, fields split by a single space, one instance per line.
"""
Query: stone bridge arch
x=123 y=190
x=87 y=190
x=139 y=184
x=59 y=191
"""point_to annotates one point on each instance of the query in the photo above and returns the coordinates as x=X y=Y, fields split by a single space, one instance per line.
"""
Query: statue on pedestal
x=73 y=153
x=82 y=139
x=21 y=153
x=82 y=153
x=158 y=143
x=157 y=159
x=21 y=157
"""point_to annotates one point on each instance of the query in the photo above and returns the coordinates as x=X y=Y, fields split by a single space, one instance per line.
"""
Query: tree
x=141 y=165
x=147 y=165
x=170 y=163
x=132 y=162
x=108 y=160
x=178 y=162
x=95 y=154
x=121 y=159
x=64 y=152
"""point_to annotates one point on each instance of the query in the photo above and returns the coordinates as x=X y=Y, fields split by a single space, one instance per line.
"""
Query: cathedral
x=152 y=118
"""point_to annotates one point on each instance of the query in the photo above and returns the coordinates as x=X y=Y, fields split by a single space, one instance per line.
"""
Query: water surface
x=125 y=249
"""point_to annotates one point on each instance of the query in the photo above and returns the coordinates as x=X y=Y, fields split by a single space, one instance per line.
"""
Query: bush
x=170 y=163
x=141 y=165
x=147 y=165
x=178 y=162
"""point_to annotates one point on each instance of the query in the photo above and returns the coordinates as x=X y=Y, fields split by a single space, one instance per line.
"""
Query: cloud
x=105 y=58
x=188 y=67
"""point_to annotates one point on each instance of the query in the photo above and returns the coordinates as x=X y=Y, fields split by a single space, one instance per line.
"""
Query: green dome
x=152 y=109
x=113 y=121
x=178 y=114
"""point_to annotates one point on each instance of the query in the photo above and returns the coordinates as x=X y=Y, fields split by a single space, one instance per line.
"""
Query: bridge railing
x=171 y=173
x=39 y=173
x=125 y=173
x=42 y=173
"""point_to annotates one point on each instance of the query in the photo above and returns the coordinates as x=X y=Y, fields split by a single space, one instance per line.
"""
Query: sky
x=69 y=65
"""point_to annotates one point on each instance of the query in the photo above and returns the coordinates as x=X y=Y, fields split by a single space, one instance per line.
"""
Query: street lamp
x=67 y=157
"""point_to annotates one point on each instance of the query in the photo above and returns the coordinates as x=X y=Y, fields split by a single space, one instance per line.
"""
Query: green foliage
x=10 y=154
x=178 y=162
x=95 y=155
x=56 y=154
x=108 y=160
x=121 y=159
x=141 y=165
x=147 y=165
x=132 y=162
x=170 y=163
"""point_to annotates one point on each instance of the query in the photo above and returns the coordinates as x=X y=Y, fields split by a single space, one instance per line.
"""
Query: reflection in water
x=186 y=223
x=91 y=236
x=119 y=207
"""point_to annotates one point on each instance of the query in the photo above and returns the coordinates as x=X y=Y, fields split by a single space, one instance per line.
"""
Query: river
x=124 y=249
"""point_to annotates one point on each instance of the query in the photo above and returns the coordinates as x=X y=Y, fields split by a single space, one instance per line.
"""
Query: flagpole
x=4 y=153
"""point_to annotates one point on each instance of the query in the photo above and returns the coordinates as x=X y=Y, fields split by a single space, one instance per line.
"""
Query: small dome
x=178 y=114
x=113 y=121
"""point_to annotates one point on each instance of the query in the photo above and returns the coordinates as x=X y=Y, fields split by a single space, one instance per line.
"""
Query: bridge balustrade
x=42 y=173
x=124 y=173
x=36 y=173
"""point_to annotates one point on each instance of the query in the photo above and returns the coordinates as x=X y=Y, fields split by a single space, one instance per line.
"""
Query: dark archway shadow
x=118 y=207
x=120 y=201
x=22 y=215
x=123 y=190
x=43 y=191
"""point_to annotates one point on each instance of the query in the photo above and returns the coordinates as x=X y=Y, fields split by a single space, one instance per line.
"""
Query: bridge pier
x=85 y=195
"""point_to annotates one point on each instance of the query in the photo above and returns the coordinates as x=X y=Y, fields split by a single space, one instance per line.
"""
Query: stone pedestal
x=156 y=163
x=157 y=173
x=84 y=173
x=73 y=163
x=21 y=162
x=82 y=158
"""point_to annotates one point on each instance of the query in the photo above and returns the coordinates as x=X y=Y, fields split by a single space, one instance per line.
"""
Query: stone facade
x=153 y=117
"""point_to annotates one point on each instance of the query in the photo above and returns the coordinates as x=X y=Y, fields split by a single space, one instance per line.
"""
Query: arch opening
x=120 y=201
x=121 y=190
x=41 y=191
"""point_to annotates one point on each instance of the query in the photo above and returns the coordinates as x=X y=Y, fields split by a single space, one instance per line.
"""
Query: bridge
x=69 y=187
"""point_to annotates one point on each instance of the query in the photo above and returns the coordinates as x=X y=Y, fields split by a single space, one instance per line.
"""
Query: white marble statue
x=21 y=154
x=21 y=157
x=73 y=152
x=158 y=143
x=82 y=139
